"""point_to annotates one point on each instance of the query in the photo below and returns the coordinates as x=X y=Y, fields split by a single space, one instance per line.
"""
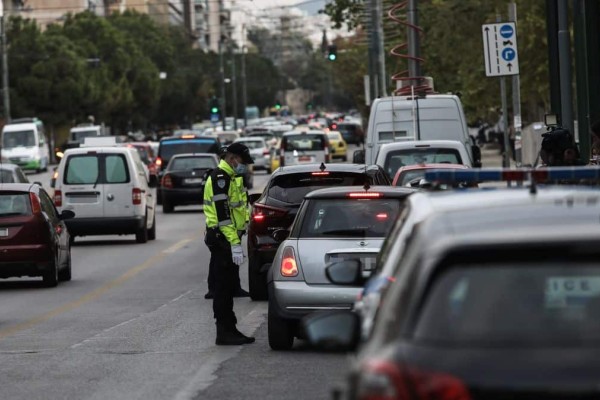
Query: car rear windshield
x=291 y=188
x=14 y=204
x=253 y=144
x=169 y=148
x=411 y=175
x=304 y=142
x=334 y=218
x=6 y=176
x=400 y=158
x=520 y=304
x=84 y=169
x=189 y=163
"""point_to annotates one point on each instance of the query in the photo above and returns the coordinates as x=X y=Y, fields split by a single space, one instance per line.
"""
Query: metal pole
x=516 y=92
x=5 y=87
x=234 y=87
x=553 y=70
x=414 y=68
x=244 y=88
x=505 y=156
x=564 y=58
x=222 y=78
x=372 y=70
x=381 y=49
x=375 y=45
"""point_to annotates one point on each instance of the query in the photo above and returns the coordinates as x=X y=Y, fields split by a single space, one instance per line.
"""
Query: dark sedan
x=34 y=240
x=183 y=179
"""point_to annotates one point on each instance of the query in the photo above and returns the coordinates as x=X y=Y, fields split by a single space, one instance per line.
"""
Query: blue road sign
x=214 y=117
x=509 y=54
x=506 y=31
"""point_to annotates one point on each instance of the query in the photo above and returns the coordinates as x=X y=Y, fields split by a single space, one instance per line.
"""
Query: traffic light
x=278 y=106
x=214 y=109
x=332 y=52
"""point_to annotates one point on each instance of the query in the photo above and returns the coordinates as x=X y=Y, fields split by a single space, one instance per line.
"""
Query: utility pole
x=564 y=58
x=222 y=79
x=516 y=92
x=5 y=87
x=234 y=87
x=244 y=86
x=414 y=68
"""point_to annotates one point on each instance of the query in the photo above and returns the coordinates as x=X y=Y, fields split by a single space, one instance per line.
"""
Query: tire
x=65 y=273
x=50 y=277
x=141 y=235
x=257 y=282
x=345 y=158
x=167 y=206
x=280 y=331
x=152 y=230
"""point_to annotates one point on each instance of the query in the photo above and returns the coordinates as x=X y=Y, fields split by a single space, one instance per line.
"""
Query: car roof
x=334 y=167
x=8 y=166
x=118 y=148
x=431 y=166
x=342 y=192
x=17 y=187
x=196 y=137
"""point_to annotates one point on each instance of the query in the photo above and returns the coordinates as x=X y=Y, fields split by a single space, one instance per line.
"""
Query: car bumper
x=183 y=196
x=262 y=163
x=24 y=260
x=29 y=165
x=296 y=299
x=340 y=152
x=104 y=226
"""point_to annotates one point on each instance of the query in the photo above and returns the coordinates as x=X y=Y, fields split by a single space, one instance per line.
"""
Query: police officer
x=226 y=210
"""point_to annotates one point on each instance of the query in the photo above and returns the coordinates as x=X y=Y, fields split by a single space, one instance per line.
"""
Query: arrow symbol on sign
x=509 y=65
x=507 y=43
x=489 y=57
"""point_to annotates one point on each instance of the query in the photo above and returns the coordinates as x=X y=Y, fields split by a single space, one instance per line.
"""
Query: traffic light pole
x=222 y=79
x=234 y=87
x=244 y=88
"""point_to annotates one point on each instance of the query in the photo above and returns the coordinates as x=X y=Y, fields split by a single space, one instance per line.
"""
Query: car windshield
x=400 y=158
x=169 y=148
x=327 y=218
x=516 y=304
x=189 y=163
x=14 y=139
x=304 y=141
x=291 y=188
x=253 y=144
x=14 y=204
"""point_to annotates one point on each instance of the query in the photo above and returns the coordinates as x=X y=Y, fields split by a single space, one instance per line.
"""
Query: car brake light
x=167 y=181
x=266 y=152
x=384 y=380
x=36 y=207
x=333 y=126
x=382 y=216
x=365 y=195
x=136 y=196
x=58 y=198
x=289 y=268
x=260 y=212
x=321 y=173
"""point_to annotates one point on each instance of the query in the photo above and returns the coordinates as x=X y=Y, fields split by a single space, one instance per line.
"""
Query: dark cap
x=241 y=150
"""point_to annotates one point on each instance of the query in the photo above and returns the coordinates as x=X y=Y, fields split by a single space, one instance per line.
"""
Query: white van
x=304 y=147
x=110 y=191
x=24 y=143
x=404 y=118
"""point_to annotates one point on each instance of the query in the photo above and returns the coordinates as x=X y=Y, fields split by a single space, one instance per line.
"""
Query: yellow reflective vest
x=225 y=202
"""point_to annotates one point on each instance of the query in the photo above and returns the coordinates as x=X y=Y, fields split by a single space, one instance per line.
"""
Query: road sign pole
x=505 y=156
x=516 y=91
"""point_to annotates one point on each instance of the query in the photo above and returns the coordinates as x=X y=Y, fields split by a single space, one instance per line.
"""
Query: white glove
x=237 y=255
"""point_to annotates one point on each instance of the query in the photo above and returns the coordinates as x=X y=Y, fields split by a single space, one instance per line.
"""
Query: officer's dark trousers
x=225 y=274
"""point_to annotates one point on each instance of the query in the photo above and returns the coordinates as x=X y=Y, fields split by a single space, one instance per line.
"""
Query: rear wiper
x=97 y=180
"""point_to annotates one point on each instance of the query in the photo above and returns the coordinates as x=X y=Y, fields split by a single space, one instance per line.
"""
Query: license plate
x=3 y=232
x=304 y=158
x=193 y=180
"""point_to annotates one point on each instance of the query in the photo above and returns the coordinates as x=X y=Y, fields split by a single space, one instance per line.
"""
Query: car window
x=400 y=158
x=304 y=142
x=253 y=144
x=326 y=218
x=48 y=206
x=82 y=169
x=21 y=177
x=291 y=188
x=6 y=176
x=116 y=170
x=188 y=163
x=18 y=139
x=169 y=148
x=14 y=204
x=517 y=304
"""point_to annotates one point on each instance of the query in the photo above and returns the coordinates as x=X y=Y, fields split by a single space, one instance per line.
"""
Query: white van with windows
x=304 y=147
x=24 y=143
x=110 y=191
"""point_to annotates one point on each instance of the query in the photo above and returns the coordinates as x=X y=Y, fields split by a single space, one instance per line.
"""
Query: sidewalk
x=491 y=156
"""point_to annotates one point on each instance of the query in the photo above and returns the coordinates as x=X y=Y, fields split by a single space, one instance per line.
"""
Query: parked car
x=183 y=180
x=339 y=148
x=260 y=152
x=34 y=240
x=333 y=224
x=12 y=173
x=109 y=191
x=277 y=206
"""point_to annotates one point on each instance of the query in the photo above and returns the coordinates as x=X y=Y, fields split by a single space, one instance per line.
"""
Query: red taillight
x=167 y=181
x=323 y=173
x=382 y=380
x=333 y=126
x=288 y=268
x=260 y=212
x=136 y=196
x=36 y=207
x=58 y=198
x=365 y=195
x=382 y=216
x=266 y=152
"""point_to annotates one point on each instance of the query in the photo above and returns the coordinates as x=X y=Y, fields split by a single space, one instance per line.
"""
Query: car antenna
x=533 y=187
x=322 y=167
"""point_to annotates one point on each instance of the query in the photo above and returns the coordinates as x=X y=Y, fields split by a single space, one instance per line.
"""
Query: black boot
x=230 y=336
x=241 y=293
x=249 y=339
x=209 y=295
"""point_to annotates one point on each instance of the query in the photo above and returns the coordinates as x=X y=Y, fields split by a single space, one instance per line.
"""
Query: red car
x=34 y=240
x=410 y=175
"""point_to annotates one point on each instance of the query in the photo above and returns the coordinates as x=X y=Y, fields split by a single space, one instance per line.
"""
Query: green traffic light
x=332 y=57
x=214 y=110
x=278 y=106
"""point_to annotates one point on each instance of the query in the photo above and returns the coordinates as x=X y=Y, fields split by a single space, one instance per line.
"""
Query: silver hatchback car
x=332 y=225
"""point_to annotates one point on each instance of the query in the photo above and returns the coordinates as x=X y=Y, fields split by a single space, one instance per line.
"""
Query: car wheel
x=152 y=230
x=65 y=273
x=345 y=158
x=280 y=331
x=257 y=282
x=167 y=206
x=50 y=277
x=141 y=236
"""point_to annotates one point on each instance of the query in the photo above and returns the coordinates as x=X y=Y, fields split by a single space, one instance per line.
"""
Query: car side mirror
x=66 y=214
x=253 y=197
x=153 y=181
x=280 y=235
x=332 y=330
x=476 y=156
x=347 y=272
x=358 y=157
